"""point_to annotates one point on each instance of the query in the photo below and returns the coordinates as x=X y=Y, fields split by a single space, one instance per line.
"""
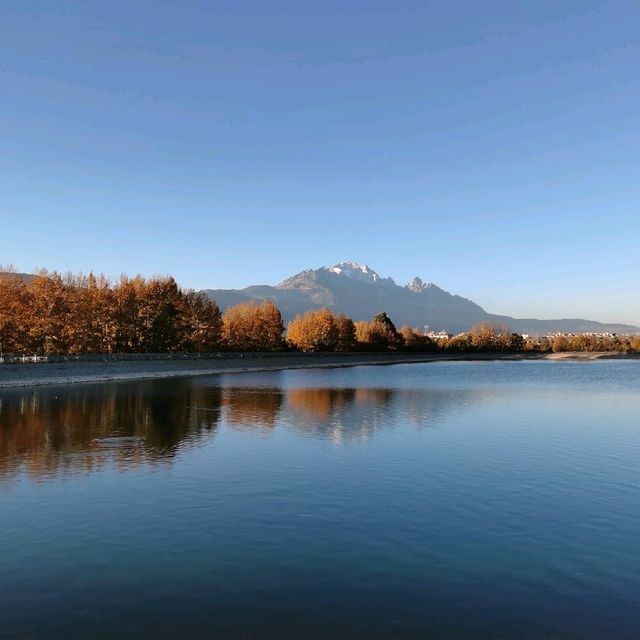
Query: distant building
x=438 y=335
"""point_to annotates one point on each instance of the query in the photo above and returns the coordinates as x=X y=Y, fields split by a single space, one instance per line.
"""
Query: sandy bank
x=22 y=375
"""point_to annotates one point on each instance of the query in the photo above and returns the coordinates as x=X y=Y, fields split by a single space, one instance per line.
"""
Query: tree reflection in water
x=247 y=408
x=75 y=429
x=81 y=428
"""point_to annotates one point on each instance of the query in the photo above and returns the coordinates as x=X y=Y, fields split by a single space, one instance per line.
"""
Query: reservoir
x=480 y=500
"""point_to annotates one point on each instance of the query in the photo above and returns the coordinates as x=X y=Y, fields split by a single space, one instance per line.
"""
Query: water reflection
x=252 y=408
x=50 y=431
x=339 y=414
x=82 y=428
x=356 y=415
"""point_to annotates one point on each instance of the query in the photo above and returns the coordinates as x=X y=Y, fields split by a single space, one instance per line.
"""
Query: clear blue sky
x=490 y=147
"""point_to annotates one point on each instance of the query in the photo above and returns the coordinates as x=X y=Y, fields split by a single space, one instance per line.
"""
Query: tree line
x=50 y=313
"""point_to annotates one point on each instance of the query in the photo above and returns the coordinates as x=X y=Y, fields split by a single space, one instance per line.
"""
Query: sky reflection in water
x=445 y=500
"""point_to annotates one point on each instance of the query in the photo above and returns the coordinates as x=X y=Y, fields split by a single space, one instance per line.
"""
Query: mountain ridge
x=360 y=292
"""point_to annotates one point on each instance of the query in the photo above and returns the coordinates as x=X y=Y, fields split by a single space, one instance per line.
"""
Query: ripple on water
x=487 y=500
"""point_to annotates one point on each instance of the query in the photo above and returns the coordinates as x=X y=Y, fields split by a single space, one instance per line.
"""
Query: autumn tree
x=510 y=341
x=13 y=304
x=540 y=344
x=484 y=337
x=50 y=313
x=346 y=333
x=583 y=342
x=253 y=326
x=126 y=301
x=317 y=330
x=560 y=343
x=269 y=327
x=458 y=344
x=380 y=334
x=90 y=327
x=362 y=333
x=413 y=340
x=200 y=323
x=158 y=309
x=384 y=319
x=47 y=314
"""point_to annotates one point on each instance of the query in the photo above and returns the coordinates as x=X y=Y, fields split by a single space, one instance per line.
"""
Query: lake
x=487 y=500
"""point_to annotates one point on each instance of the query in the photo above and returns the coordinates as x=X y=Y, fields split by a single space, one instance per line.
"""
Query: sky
x=490 y=147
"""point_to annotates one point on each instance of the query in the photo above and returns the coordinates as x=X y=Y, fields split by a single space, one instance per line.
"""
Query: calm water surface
x=453 y=500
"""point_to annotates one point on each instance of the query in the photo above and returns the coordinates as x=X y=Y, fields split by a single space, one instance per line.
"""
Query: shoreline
x=32 y=374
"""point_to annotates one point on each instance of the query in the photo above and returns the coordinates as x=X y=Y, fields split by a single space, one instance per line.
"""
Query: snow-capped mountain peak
x=418 y=286
x=355 y=271
x=359 y=292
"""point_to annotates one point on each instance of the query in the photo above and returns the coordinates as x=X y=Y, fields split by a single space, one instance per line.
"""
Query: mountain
x=358 y=291
x=26 y=277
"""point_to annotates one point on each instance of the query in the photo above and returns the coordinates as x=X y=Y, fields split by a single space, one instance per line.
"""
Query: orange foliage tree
x=253 y=326
x=317 y=330
x=87 y=314
x=378 y=335
x=346 y=333
x=412 y=340
x=13 y=303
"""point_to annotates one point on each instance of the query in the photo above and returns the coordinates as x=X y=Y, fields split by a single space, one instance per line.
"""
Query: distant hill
x=23 y=276
x=360 y=292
